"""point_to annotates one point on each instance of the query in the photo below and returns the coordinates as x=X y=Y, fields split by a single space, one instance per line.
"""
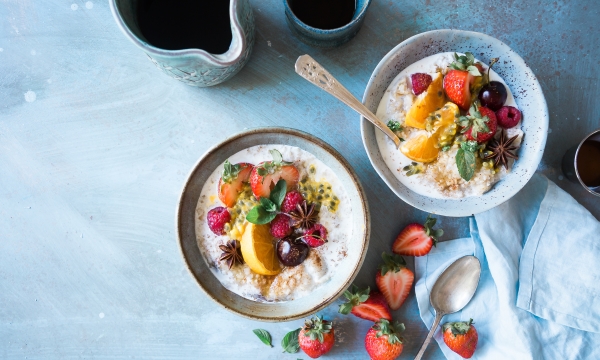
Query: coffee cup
x=581 y=163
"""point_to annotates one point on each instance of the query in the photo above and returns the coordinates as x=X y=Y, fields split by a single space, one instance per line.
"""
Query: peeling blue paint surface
x=96 y=143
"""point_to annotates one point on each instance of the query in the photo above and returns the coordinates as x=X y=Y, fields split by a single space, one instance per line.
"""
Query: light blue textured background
x=91 y=169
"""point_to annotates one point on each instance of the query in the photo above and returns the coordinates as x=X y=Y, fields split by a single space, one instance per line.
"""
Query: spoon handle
x=312 y=71
x=438 y=318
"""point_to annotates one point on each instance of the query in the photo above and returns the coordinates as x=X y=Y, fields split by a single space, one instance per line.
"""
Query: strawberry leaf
x=289 y=343
x=230 y=171
x=264 y=336
x=277 y=157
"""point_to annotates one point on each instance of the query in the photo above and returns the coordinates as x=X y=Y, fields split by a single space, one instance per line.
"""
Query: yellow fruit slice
x=426 y=103
x=258 y=250
x=421 y=148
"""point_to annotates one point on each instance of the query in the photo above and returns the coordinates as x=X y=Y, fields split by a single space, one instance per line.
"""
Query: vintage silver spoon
x=312 y=71
x=452 y=291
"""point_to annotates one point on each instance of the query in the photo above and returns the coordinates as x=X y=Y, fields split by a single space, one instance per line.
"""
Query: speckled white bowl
x=321 y=296
x=515 y=72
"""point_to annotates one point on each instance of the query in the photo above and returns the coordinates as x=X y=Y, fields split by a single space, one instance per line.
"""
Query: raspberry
x=217 y=218
x=315 y=236
x=420 y=82
x=508 y=116
x=280 y=226
x=290 y=201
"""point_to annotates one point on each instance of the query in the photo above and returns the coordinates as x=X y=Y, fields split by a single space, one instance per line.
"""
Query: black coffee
x=186 y=24
x=324 y=14
x=588 y=163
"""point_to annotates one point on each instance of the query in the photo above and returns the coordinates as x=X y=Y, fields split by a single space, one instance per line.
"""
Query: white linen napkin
x=539 y=291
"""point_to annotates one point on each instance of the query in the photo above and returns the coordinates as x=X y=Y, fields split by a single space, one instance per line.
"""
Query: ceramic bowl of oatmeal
x=273 y=224
x=447 y=162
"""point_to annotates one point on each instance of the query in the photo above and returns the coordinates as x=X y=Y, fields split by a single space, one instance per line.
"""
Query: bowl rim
x=365 y=214
x=536 y=158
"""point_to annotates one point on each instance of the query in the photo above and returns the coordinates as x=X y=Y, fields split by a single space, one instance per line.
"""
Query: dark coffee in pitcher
x=186 y=24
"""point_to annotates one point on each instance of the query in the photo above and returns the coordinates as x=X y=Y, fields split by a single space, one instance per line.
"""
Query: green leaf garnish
x=278 y=193
x=259 y=216
x=289 y=343
x=264 y=336
x=465 y=159
x=266 y=211
x=394 y=126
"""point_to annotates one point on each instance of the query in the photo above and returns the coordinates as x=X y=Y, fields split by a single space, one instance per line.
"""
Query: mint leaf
x=264 y=336
x=289 y=343
x=259 y=216
x=267 y=205
x=465 y=162
x=278 y=193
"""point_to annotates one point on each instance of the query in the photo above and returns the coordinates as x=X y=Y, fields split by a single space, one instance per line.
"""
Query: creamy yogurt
x=394 y=105
x=292 y=282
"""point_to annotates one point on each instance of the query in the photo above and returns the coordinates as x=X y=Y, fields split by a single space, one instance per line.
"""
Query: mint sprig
x=268 y=208
x=465 y=159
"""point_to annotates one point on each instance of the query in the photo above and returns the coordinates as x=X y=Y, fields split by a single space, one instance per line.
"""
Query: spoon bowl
x=452 y=291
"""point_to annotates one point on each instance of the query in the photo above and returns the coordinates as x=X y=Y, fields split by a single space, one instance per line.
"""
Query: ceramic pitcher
x=194 y=67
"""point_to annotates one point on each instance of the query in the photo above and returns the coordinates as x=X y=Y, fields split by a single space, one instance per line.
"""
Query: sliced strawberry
x=263 y=184
x=417 y=239
x=483 y=132
x=232 y=181
x=394 y=280
x=457 y=84
x=365 y=304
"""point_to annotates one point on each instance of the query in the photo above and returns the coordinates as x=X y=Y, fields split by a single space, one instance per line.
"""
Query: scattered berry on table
x=461 y=337
x=383 y=341
x=365 y=304
x=316 y=337
x=416 y=239
x=394 y=280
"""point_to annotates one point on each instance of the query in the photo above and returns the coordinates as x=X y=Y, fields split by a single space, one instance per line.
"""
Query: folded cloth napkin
x=539 y=291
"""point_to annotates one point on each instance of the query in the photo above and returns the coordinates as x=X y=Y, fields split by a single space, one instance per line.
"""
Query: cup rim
x=235 y=53
x=361 y=14
x=597 y=131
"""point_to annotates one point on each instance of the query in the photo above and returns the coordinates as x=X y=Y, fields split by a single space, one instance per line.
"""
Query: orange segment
x=258 y=250
x=421 y=148
x=426 y=103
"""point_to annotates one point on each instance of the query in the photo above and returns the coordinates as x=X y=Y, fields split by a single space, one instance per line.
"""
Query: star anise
x=231 y=253
x=305 y=215
x=502 y=149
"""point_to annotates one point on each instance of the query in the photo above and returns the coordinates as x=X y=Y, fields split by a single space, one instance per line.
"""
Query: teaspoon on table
x=452 y=291
x=312 y=71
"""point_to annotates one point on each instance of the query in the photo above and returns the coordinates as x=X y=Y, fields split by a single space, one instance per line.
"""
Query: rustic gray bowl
x=322 y=296
x=515 y=72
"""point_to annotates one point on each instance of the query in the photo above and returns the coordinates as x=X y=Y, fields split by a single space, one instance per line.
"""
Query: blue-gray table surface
x=95 y=145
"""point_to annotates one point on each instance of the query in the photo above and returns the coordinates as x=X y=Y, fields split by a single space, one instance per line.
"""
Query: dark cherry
x=493 y=95
x=291 y=252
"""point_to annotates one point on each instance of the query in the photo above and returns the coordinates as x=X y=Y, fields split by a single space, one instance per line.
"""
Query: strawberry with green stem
x=265 y=175
x=480 y=124
x=461 y=337
x=383 y=341
x=316 y=337
x=417 y=239
x=365 y=304
x=459 y=80
x=232 y=181
x=394 y=280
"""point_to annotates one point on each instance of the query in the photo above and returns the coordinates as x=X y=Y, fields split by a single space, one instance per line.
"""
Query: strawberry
x=316 y=337
x=232 y=180
x=365 y=304
x=394 y=280
x=265 y=175
x=420 y=82
x=382 y=341
x=457 y=84
x=479 y=125
x=417 y=239
x=461 y=337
